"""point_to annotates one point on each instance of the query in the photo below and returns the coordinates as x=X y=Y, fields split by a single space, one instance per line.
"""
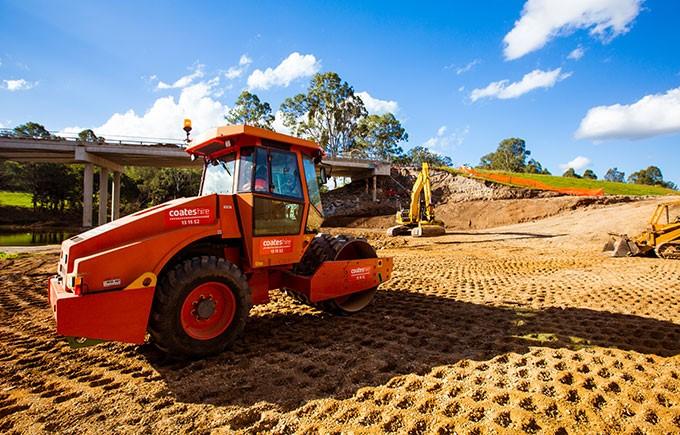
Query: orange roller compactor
x=189 y=270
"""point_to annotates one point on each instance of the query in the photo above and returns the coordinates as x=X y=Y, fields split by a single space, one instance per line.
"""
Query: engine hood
x=169 y=216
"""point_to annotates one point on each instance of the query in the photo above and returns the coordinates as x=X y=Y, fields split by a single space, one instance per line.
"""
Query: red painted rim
x=215 y=294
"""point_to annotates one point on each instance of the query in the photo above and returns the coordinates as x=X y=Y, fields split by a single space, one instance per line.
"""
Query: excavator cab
x=418 y=220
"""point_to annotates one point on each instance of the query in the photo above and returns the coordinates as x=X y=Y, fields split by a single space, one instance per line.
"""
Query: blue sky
x=460 y=75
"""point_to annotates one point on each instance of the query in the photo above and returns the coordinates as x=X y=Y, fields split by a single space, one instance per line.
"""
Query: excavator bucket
x=621 y=246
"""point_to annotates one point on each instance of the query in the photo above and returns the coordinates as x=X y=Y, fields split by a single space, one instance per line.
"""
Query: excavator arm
x=418 y=221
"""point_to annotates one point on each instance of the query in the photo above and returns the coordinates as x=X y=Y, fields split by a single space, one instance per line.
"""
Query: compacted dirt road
x=522 y=328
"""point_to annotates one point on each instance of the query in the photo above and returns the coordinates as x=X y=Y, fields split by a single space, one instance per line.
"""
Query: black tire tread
x=165 y=332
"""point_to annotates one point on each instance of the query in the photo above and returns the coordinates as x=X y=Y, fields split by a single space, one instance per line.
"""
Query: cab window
x=261 y=171
x=276 y=217
x=245 y=170
x=285 y=174
x=218 y=176
x=277 y=174
x=312 y=184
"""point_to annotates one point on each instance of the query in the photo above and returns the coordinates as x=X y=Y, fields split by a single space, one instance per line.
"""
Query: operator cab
x=273 y=179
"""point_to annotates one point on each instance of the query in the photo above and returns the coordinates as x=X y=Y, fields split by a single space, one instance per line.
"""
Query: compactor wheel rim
x=208 y=310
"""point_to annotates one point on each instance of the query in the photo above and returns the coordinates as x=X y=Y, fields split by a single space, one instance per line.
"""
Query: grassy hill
x=610 y=188
x=15 y=199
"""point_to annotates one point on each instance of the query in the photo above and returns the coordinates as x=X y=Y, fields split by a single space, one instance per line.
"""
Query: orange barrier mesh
x=533 y=184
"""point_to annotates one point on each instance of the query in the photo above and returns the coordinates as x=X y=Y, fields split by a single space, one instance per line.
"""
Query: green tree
x=53 y=186
x=651 y=176
x=590 y=174
x=511 y=156
x=32 y=130
x=89 y=136
x=378 y=136
x=155 y=186
x=13 y=177
x=327 y=114
x=535 y=167
x=419 y=154
x=613 y=174
x=249 y=110
x=571 y=173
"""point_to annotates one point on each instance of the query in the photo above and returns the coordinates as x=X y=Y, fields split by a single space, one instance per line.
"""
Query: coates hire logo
x=274 y=243
x=276 y=246
x=359 y=273
x=178 y=217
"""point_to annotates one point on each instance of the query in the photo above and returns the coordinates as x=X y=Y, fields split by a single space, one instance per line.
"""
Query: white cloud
x=468 y=67
x=576 y=53
x=375 y=105
x=278 y=123
x=543 y=20
x=534 y=80
x=233 y=72
x=577 y=163
x=651 y=115
x=444 y=143
x=183 y=81
x=14 y=85
x=293 y=67
x=236 y=71
x=164 y=118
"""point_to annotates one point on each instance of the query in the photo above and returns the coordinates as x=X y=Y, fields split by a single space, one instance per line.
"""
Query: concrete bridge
x=112 y=156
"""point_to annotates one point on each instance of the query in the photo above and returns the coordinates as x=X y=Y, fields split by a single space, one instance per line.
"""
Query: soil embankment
x=461 y=202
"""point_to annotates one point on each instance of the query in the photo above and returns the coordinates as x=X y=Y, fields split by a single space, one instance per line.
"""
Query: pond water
x=33 y=237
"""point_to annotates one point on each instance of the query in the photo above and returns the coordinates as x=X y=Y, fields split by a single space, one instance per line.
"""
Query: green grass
x=15 y=199
x=8 y=256
x=610 y=187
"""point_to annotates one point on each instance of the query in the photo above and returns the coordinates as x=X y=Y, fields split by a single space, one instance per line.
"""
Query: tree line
x=512 y=154
x=329 y=113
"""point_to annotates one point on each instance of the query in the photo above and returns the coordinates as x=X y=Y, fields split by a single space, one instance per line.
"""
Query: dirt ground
x=523 y=328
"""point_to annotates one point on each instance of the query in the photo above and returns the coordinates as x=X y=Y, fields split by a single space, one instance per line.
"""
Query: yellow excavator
x=418 y=220
x=662 y=236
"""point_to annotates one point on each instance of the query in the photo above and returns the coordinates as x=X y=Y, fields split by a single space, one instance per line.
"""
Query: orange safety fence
x=533 y=184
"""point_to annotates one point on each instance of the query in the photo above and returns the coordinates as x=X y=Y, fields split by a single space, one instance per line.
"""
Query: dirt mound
x=482 y=331
x=489 y=214
x=355 y=199
x=461 y=202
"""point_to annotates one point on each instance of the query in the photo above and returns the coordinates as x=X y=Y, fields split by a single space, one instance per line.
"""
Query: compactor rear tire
x=325 y=247
x=200 y=307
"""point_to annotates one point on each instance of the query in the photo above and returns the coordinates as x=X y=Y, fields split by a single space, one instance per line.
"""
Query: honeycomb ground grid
x=489 y=337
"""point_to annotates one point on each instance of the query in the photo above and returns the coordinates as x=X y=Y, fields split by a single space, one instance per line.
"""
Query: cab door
x=277 y=205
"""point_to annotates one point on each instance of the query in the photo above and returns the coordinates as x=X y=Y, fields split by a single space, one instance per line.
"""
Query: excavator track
x=669 y=251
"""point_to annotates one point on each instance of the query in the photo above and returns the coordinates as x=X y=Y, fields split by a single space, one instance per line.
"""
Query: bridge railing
x=108 y=139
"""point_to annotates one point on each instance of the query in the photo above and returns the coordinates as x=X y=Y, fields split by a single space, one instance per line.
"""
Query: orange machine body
x=99 y=291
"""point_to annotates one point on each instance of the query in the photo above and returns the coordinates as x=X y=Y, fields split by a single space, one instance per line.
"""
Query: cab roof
x=215 y=139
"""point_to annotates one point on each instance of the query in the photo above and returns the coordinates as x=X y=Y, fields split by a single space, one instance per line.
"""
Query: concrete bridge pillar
x=115 y=196
x=88 y=187
x=375 y=188
x=103 y=194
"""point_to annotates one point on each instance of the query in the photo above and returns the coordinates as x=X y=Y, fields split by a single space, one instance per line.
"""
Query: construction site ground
x=524 y=328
